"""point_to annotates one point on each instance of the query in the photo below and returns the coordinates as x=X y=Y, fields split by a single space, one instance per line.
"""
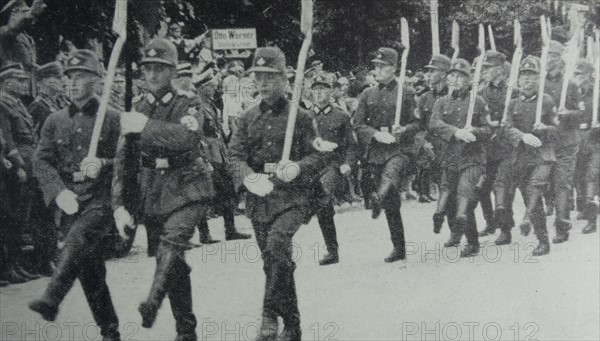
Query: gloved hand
x=541 y=127
x=91 y=166
x=133 y=122
x=397 y=131
x=287 y=170
x=324 y=146
x=258 y=184
x=67 y=201
x=122 y=220
x=465 y=135
x=345 y=169
x=531 y=140
x=384 y=137
x=7 y=163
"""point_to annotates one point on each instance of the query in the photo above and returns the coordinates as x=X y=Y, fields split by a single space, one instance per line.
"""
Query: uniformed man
x=50 y=99
x=494 y=94
x=17 y=126
x=534 y=143
x=277 y=204
x=588 y=159
x=333 y=125
x=389 y=149
x=437 y=71
x=175 y=183
x=464 y=160
x=16 y=46
x=79 y=187
x=567 y=143
x=218 y=155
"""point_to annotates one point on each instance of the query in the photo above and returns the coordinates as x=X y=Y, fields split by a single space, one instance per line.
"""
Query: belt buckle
x=270 y=167
x=161 y=163
x=583 y=126
x=78 y=177
x=384 y=129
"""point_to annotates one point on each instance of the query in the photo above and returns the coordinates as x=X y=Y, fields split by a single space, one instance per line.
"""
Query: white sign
x=234 y=39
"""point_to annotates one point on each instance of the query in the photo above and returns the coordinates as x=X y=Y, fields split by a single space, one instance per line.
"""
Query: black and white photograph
x=299 y=170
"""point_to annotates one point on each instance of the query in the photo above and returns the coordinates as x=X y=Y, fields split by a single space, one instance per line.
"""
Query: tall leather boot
x=68 y=268
x=438 y=216
x=465 y=222
x=205 y=237
x=180 y=296
x=166 y=259
x=502 y=221
x=377 y=198
x=231 y=233
x=538 y=220
x=269 y=326
x=290 y=314
x=591 y=215
x=327 y=225
x=396 y=226
x=485 y=200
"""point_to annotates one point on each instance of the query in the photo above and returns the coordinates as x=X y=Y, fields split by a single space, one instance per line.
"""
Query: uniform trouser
x=587 y=170
x=45 y=233
x=562 y=180
x=225 y=194
x=485 y=191
x=504 y=193
x=330 y=180
x=274 y=239
x=388 y=179
x=532 y=180
x=172 y=274
x=424 y=176
x=82 y=258
x=459 y=185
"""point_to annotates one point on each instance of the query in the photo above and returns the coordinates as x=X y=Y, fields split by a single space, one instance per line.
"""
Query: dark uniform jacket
x=174 y=172
x=64 y=143
x=259 y=140
x=376 y=110
x=450 y=115
x=333 y=125
x=495 y=96
x=18 y=128
x=567 y=134
x=520 y=121
x=40 y=109
x=213 y=133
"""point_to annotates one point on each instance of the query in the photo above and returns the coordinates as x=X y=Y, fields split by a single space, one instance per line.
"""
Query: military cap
x=386 y=55
x=160 y=51
x=556 y=47
x=494 y=58
x=14 y=70
x=174 y=26
x=584 y=67
x=322 y=78
x=461 y=65
x=48 y=70
x=530 y=63
x=268 y=59
x=439 y=62
x=184 y=70
x=84 y=60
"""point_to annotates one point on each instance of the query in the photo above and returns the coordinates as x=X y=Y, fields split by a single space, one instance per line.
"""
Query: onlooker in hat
x=16 y=46
x=18 y=131
x=67 y=174
x=50 y=99
x=184 y=46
